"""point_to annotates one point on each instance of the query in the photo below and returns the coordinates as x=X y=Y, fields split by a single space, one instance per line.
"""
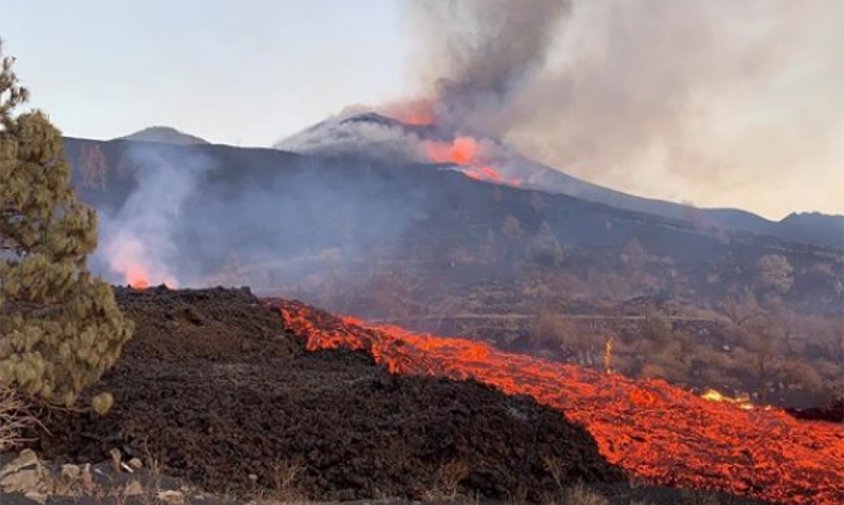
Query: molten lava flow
x=715 y=396
x=464 y=152
x=650 y=428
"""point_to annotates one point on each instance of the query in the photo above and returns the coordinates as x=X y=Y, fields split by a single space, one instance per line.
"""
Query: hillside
x=374 y=135
x=241 y=408
x=426 y=246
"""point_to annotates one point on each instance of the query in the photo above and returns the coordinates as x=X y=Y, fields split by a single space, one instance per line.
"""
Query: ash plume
x=683 y=100
x=481 y=52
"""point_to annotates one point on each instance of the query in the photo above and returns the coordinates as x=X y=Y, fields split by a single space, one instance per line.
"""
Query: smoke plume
x=481 y=52
x=139 y=241
x=722 y=103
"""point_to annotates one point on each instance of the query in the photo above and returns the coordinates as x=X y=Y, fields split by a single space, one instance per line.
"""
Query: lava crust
x=215 y=389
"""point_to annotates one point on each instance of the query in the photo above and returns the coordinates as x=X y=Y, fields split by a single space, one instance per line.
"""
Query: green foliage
x=61 y=327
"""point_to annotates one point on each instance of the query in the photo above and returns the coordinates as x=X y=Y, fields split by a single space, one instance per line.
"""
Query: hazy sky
x=722 y=103
x=245 y=72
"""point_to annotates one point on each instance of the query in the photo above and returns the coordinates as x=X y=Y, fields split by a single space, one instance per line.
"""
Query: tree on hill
x=60 y=327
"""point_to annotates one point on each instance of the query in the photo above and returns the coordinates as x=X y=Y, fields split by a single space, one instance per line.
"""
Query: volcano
x=333 y=136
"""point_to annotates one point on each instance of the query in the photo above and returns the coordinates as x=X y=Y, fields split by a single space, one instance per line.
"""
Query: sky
x=735 y=103
x=242 y=73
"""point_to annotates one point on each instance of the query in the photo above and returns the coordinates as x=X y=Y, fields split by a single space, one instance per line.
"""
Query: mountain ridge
x=347 y=132
x=164 y=135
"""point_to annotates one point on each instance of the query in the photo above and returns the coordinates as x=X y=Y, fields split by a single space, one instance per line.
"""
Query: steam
x=722 y=103
x=283 y=224
x=139 y=240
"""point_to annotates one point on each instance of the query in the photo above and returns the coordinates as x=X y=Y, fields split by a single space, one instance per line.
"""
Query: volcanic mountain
x=365 y=133
x=165 y=135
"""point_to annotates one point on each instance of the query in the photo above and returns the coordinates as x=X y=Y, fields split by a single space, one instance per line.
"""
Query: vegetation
x=61 y=328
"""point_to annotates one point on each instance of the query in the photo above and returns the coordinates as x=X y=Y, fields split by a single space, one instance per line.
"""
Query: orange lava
x=490 y=174
x=653 y=430
x=464 y=151
x=461 y=151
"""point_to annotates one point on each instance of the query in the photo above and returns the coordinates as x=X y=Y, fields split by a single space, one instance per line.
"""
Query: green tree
x=60 y=327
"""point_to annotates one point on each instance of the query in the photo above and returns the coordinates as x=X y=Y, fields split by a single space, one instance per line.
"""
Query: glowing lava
x=461 y=151
x=714 y=396
x=464 y=151
x=653 y=430
x=129 y=257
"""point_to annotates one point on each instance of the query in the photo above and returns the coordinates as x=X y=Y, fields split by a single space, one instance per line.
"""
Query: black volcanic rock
x=238 y=396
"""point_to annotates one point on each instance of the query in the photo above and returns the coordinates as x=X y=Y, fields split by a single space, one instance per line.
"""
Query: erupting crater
x=466 y=153
x=653 y=430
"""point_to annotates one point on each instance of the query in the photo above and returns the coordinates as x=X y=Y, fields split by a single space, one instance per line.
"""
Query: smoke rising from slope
x=139 y=241
x=735 y=103
x=280 y=223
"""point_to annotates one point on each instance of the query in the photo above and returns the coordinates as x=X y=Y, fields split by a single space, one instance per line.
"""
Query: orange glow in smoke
x=137 y=276
x=461 y=151
x=655 y=431
x=464 y=151
x=415 y=112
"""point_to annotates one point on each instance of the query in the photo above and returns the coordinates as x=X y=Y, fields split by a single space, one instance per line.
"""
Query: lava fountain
x=653 y=430
x=465 y=152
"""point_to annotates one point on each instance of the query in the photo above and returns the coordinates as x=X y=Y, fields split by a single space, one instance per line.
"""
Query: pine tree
x=60 y=327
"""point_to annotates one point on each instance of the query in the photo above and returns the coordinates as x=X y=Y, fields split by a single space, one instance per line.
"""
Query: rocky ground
x=214 y=393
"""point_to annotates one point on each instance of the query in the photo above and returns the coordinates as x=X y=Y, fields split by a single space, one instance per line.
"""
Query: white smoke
x=138 y=240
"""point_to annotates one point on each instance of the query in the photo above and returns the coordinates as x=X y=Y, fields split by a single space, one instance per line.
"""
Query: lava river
x=655 y=431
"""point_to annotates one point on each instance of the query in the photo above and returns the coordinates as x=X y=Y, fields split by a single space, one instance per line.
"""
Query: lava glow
x=714 y=396
x=653 y=430
x=129 y=258
x=461 y=151
x=465 y=152
x=415 y=112
x=136 y=276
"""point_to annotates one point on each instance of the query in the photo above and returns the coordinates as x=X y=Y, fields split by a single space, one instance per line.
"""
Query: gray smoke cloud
x=736 y=103
x=479 y=52
x=199 y=216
